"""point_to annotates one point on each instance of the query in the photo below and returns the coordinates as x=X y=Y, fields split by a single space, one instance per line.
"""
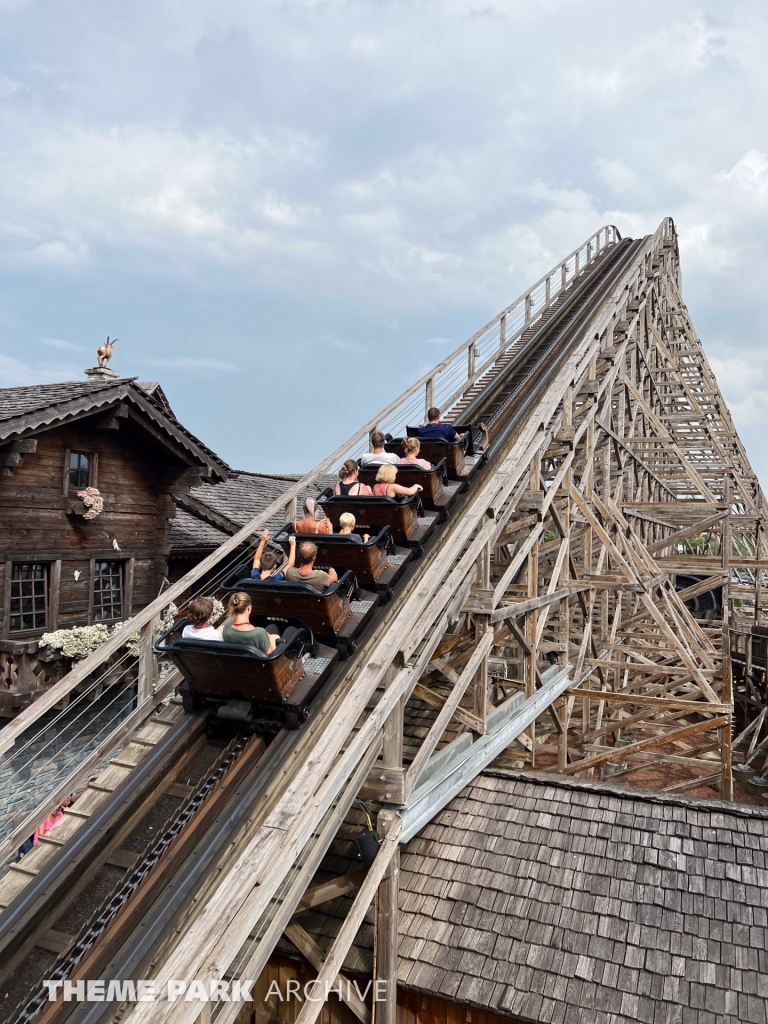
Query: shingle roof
x=27 y=410
x=17 y=401
x=237 y=500
x=187 y=531
x=571 y=901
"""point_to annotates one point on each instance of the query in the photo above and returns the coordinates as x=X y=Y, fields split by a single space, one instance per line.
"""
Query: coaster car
x=335 y=615
x=377 y=563
x=438 y=495
x=460 y=456
x=250 y=691
x=409 y=523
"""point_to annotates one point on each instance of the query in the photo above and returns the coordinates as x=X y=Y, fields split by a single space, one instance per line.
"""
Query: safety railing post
x=471 y=355
x=429 y=395
x=148 y=665
x=503 y=331
x=527 y=307
x=563 y=275
x=548 y=291
x=290 y=511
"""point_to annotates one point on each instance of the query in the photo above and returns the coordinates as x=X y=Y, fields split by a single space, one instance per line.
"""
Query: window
x=79 y=470
x=29 y=597
x=107 y=591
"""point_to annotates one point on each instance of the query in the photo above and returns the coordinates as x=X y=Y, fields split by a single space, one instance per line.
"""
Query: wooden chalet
x=58 y=567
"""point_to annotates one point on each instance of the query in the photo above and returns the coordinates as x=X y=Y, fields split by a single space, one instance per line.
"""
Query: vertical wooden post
x=548 y=291
x=290 y=511
x=527 y=307
x=503 y=331
x=758 y=570
x=148 y=668
x=429 y=396
x=54 y=594
x=385 y=939
x=471 y=355
x=480 y=686
x=726 y=693
x=564 y=638
x=563 y=275
x=392 y=747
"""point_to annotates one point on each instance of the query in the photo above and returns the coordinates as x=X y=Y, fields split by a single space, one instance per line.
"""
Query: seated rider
x=347 y=525
x=265 y=563
x=306 y=571
x=311 y=523
x=434 y=430
x=385 y=486
x=240 y=631
x=348 y=484
x=377 y=456
x=199 y=613
x=411 y=447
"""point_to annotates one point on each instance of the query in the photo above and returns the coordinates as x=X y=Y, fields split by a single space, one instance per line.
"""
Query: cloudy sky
x=285 y=211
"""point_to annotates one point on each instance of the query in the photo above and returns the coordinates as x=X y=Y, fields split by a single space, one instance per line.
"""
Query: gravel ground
x=19 y=985
x=152 y=824
x=84 y=905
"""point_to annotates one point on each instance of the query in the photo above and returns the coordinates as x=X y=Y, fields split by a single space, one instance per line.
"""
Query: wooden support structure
x=591 y=554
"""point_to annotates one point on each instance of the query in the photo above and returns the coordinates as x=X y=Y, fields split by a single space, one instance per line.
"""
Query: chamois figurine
x=104 y=352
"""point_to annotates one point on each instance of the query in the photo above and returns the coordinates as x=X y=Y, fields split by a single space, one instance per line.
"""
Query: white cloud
x=15 y=372
x=324 y=171
x=67 y=346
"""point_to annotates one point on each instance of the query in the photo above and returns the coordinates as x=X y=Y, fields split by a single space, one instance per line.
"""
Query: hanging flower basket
x=93 y=502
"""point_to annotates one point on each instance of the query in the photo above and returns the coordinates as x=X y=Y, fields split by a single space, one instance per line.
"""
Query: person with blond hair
x=346 y=526
x=385 y=486
x=311 y=521
x=411 y=447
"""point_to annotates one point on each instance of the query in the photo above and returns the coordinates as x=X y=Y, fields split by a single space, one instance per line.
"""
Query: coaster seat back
x=325 y=612
x=225 y=671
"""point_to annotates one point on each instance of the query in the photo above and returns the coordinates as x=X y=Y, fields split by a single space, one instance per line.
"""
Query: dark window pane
x=79 y=470
x=29 y=597
x=107 y=591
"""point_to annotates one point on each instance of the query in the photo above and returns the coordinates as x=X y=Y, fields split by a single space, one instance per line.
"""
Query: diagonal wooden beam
x=309 y=949
x=686 y=531
x=665 y=435
x=339 y=948
x=331 y=889
x=623 y=752
x=432 y=738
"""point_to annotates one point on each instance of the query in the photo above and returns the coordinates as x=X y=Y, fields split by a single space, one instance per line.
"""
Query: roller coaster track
x=580 y=438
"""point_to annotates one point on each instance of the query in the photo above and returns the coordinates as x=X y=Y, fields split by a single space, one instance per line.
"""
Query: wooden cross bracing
x=555 y=590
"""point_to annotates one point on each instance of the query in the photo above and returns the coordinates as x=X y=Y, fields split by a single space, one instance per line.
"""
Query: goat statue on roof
x=104 y=352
